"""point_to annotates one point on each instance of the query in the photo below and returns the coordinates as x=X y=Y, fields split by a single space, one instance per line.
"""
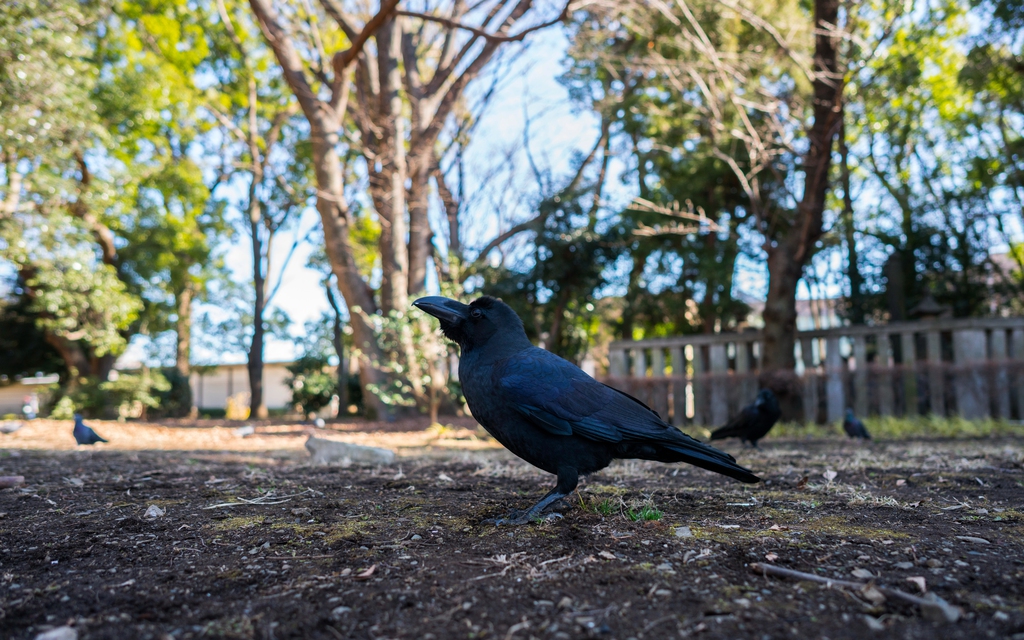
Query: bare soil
x=256 y=543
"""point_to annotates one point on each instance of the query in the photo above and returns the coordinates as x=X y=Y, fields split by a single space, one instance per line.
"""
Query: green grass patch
x=894 y=428
x=644 y=513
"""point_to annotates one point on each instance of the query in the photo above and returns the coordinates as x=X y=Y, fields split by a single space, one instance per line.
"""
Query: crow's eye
x=476 y=314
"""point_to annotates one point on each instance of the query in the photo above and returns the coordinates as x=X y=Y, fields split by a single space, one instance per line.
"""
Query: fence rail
x=970 y=367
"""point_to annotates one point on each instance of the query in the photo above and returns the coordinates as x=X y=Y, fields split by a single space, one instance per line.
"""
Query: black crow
x=550 y=413
x=854 y=427
x=754 y=420
x=84 y=434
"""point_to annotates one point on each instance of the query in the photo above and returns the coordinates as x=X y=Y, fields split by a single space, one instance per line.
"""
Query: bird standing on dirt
x=84 y=434
x=853 y=427
x=754 y=420
x=550 y=413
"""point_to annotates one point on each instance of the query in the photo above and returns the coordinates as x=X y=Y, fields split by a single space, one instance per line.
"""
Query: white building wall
x=211 y=390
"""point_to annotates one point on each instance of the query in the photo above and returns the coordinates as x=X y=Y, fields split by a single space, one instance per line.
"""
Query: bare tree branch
x=490 y=37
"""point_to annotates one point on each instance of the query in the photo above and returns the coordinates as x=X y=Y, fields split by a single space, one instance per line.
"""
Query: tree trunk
x=358 y=295
x=255 y=365
x=788 y=255
x=74 y=357
x=419 y=225
x=387 y=184
x=793 y=248
x=183 y=331
x=856 y=279
x=338 y=340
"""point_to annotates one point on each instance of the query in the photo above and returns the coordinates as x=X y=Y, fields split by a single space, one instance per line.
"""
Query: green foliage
x=123 y=396
x=176 y=400
x=311 y=383
x=22 y=343
x=644 y=513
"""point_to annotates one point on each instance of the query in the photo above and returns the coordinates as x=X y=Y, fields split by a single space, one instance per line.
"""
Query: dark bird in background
x=550 y=413
x=754 y=420
x=854 y=427
x=84 y=434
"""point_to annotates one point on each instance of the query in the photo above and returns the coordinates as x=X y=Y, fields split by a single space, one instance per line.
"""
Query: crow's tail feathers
x=686 y=449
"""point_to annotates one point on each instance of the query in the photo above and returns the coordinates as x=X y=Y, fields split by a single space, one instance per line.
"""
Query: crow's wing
x=562 y=399
x=557 y=396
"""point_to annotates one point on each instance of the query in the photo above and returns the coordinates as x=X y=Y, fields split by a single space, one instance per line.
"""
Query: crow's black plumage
x=549 y=412
x=754 y=421
x=84 y=434
x=854 y=427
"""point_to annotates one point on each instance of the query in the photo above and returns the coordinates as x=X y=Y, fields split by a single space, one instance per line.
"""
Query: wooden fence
x=970 y=367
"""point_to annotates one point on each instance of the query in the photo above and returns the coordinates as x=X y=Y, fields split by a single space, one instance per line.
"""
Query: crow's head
x=766 y=399
x=473 y=325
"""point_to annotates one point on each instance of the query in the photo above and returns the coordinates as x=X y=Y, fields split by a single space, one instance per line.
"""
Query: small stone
x=743 y=602
x=666 y=567
x=934 y=563
x=416 y=536
x=904 y=565
x=864 y=574
x=60 y=633
x=874 y=623
x=683 y=532
x=663 y=593
x=973 y=539
x=565 y=602
x=938 y=610
x=154 y=511
x=302 y=511
x=338 y=612
x=324 y=451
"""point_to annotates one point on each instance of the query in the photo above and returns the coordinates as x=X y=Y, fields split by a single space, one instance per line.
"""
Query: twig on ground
x=929 y=606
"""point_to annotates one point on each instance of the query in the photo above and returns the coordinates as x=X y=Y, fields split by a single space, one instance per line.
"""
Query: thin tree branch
x=490 y=37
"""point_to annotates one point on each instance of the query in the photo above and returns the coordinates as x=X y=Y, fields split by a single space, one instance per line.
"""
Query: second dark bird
x=853 y=427
x=550 y=413
x=754 y=421
x=84 y=434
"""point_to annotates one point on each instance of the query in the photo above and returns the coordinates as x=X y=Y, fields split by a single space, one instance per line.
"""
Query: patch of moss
x=239 y=522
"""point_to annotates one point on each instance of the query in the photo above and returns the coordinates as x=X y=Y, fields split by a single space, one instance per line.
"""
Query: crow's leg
x=568 y=478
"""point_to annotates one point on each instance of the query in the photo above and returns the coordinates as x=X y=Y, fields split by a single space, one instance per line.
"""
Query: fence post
x=810 y=380
x=834 y=384
x=972 y=400
x=639 y=363
x=936 y=386
x=657 y=362
x=908 y=362
x=699 y=386
x=1017 y=346
x=678 y=386
x=885 y=379
x=860 y=375
x=719 y=383
x=617 y=362
x=1001 y=381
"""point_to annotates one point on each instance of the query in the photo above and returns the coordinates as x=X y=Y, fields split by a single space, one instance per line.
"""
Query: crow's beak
x=447 y=311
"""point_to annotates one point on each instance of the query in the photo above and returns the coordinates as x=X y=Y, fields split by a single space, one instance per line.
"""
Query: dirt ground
x=256 y=543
